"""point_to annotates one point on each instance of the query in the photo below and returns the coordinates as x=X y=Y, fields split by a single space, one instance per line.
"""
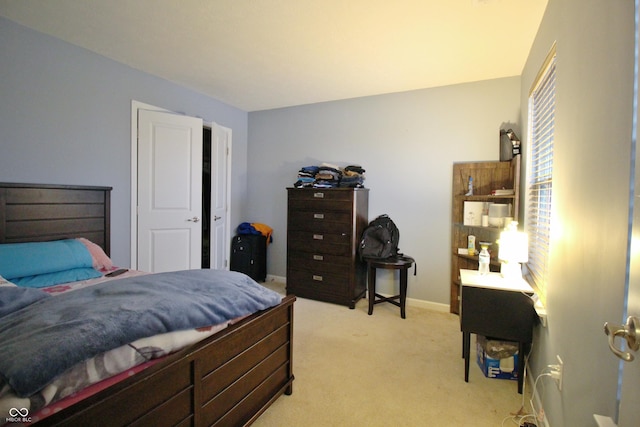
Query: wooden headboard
x=42 y=212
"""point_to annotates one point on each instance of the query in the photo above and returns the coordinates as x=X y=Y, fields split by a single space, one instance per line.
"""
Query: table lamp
x=514 y=249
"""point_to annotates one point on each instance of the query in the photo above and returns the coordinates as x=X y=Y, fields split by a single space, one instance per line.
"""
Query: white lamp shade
x=514 y=246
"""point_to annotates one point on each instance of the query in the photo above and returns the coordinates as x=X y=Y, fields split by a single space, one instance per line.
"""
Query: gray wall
x=65 y=118
x=407 y=142
x=591 y=199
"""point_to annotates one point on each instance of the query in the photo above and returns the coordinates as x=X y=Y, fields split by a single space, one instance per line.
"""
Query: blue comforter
x=42 y=340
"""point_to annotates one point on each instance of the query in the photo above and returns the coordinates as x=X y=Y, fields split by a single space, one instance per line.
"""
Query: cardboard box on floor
x=496 y=358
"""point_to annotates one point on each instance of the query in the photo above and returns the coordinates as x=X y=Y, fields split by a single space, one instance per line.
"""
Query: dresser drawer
x=323 y=243
x=327 y=195
x=309 y=282
x=320 y=200
x=320 y=205
x=321 y=220
x=317 y=261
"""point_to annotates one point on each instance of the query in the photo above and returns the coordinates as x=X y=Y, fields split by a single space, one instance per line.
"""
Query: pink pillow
x=100 y=260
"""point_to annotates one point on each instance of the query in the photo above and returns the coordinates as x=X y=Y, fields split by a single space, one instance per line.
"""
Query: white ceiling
x=262 y=54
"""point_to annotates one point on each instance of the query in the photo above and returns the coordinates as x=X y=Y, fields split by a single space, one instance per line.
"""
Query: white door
x=169 y=192
x=629 y=414
x=220 y=234
x=629 y=409
x=629 y=395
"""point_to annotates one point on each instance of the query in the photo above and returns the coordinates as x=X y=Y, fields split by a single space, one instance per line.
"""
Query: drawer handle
x=318 y=216
x=317 y=278
x=318 y=257
x=318 y=195
x=318 y=237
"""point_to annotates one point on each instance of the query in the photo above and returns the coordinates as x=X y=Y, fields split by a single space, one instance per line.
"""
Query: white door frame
x=135 y=106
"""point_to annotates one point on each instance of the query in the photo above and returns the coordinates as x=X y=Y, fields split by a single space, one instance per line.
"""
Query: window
x=541 y=126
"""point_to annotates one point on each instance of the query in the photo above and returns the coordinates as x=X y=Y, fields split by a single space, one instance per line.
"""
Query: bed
x=229 y=378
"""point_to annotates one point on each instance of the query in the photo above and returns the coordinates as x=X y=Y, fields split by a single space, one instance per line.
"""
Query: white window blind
x=541 y=125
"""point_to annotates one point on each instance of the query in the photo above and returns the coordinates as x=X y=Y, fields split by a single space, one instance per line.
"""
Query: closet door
x=169 y=192
x=220 y=180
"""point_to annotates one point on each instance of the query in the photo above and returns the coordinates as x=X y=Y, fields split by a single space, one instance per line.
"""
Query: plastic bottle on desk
x=484 y=258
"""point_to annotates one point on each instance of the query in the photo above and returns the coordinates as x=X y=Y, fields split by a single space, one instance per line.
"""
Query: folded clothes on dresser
x=330 y=176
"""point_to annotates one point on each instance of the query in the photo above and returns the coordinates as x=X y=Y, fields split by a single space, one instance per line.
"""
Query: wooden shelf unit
x=487 y=176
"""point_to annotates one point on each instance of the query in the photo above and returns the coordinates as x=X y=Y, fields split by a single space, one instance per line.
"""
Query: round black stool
x=399 y=262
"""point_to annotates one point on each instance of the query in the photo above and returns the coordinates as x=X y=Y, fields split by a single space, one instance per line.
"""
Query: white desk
x=498 y=308
x=494 y=281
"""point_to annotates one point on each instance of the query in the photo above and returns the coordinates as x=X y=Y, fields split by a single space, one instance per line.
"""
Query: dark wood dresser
x=323 y=231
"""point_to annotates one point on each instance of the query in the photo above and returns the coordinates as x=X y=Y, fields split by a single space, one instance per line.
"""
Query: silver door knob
x=194 y=219
x=630 y=332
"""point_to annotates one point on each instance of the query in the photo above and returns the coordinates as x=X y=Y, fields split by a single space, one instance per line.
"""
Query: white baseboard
x=272 y=278
x=430 y=305
x=603 y=421
x=411 y=302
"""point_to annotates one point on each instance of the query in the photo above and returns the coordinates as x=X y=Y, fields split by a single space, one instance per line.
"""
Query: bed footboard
x=228 y=379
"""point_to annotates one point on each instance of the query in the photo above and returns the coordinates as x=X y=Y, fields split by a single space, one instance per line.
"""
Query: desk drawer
x=495 y=313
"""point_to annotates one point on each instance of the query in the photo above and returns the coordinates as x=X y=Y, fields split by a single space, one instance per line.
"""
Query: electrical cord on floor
x=520 y=420
x=535 y=416
x=521 y=416
x=539 y=414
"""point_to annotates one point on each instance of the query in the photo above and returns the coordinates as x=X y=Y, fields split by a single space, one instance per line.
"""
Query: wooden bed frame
x=228 y=379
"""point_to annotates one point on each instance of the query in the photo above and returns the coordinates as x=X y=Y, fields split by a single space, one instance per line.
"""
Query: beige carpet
x=352 y=369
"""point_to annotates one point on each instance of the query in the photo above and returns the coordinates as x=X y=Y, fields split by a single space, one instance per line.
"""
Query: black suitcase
x=249 y=255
